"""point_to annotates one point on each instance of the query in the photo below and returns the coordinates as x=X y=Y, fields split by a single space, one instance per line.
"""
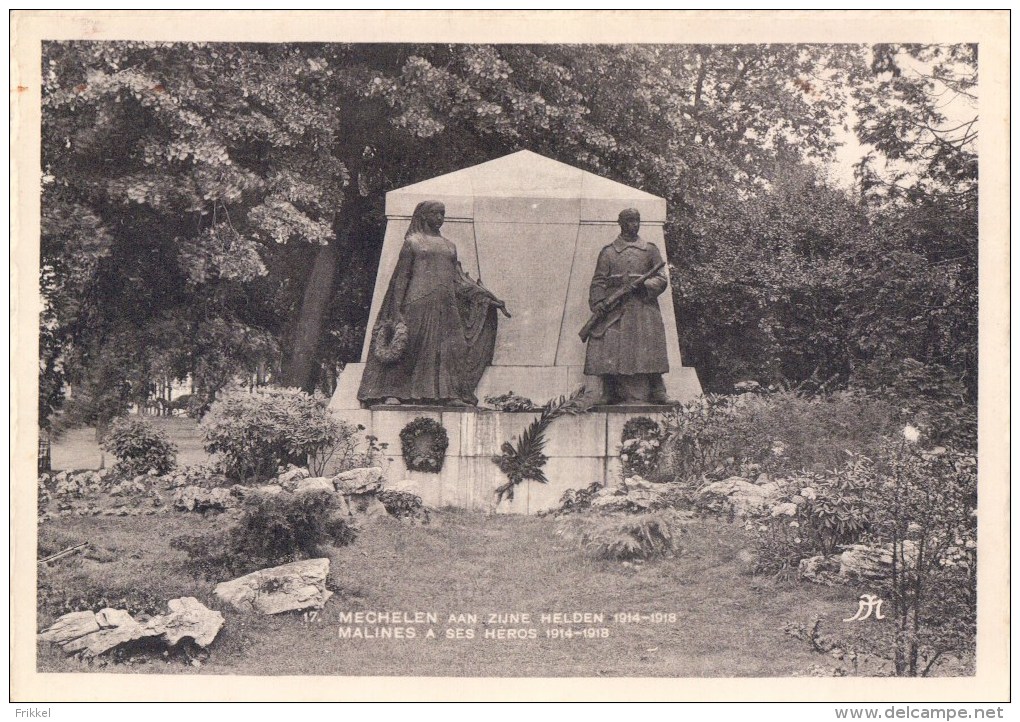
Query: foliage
x=192 y=229
x=139 y=448
x=810 y=516
x=927 y=504
x=579 y=499
x=221 y=229
x=423 y=443
x=640 y=446
x=525 y=460
x=352 y=456
x=782 y=432
x=273 y=529
x=256 y=432
x=510 y=402
x=644 y=536
x=916 y=502
x=404 y=505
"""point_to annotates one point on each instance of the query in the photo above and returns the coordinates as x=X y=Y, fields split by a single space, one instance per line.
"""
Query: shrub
x=255 y=433
x=578 y=499
x=404 y=505
x=812 y=515
x=644 y=536
x=351 y=456
x=926 y=512
x=919 y=505
x=785 y=432
x=139 y=448
x=273 y=529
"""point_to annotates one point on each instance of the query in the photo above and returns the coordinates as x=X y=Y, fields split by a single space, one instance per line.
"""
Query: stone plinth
x=581 y=449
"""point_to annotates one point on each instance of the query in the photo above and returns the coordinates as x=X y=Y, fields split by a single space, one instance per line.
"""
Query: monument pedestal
x=582 y=449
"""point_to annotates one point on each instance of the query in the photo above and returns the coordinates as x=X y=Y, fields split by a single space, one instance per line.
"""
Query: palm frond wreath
x=525 y=461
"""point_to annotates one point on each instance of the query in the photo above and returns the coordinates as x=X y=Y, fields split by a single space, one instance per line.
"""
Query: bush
x=644 y=536
x=139 y=448
x=919 y=505
x=812 y=515
x=256 y=433
x=785 y=432
x=273 y=529
x=404 y=505
x=926 y=512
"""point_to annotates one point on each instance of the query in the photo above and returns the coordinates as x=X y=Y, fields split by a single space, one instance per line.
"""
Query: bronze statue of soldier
x=626 y=337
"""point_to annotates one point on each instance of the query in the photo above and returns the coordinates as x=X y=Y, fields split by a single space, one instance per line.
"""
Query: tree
x=919 y=114
x=236 y=226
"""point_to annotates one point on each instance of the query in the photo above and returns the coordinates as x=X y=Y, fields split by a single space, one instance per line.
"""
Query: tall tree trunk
x=299 y=363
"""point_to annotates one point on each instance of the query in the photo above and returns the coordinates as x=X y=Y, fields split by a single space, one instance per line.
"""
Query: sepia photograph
x=640 y=350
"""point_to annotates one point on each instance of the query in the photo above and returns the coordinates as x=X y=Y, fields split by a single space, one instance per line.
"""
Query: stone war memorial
x=529 y=233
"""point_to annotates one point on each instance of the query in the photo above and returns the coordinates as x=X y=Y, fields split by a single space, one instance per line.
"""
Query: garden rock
x=316 y=483
x=290 y=478
x=744 y=496
x=92 y=634
x=188 y=619
x=195 y=498
x=820 y=570
x=343 y=508
x=366 y=505
x=128 y=488
x=70 y=627
x=367 y=480
x=117 y=627
x=860 y=561
x=290 y=587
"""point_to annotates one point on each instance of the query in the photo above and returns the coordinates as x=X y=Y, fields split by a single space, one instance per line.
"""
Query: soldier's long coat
x=631 y=339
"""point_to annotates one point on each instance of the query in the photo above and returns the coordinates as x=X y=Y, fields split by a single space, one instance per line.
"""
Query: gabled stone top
x=530 y=188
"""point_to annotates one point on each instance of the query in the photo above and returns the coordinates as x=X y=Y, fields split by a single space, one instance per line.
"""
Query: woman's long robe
x=451 y=323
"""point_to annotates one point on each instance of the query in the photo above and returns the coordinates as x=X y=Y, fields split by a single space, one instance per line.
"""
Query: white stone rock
x=366 y=505
x=316 y=483
x=93 y=634
x=290 y=478
x=188 y=619
x=69 y=627
x=117 y=628
x=196 y=498
x=820 y=570
x=860 y=561
x=295 y=586
x=742 y=494
x=359 y=481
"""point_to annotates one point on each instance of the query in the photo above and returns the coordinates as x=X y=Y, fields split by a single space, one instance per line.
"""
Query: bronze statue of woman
x=448 y=318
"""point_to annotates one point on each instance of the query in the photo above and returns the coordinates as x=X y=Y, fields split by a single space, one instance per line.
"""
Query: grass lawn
x=727 y=622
